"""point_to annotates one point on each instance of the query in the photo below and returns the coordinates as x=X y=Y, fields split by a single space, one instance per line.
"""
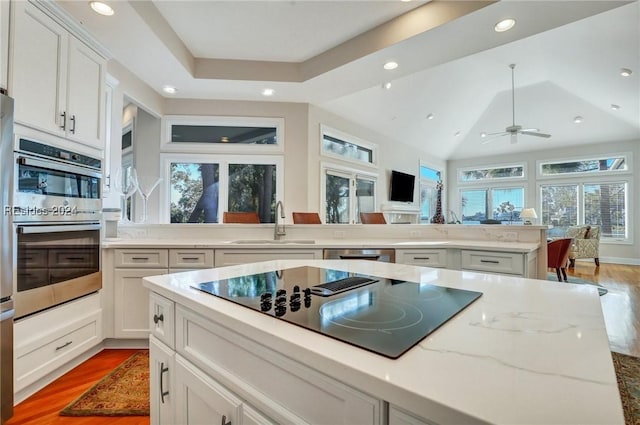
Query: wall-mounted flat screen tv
x=401 y=186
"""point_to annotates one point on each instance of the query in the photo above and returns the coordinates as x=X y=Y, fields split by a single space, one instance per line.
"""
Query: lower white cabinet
x=162 y=382
x=131 y=306
x=231 y=257
x=422 y=257
x=494 y=262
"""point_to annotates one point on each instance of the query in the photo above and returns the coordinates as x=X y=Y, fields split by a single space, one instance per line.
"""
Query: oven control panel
x=52 y=152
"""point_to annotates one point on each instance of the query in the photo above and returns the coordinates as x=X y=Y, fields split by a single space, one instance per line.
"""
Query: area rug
x=123 y=392
x=570 y=279
x=628 y=374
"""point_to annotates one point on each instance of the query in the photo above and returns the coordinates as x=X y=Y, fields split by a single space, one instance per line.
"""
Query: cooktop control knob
x=281 y=292
x=296 y=288
x=307 y=302
x=294 y=306
x=265 y=306
x=307 y=292
x=295 y=297
x=280 y=310
x=265 y=297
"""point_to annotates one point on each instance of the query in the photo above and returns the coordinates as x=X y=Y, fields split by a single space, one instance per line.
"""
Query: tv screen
x=401 y=186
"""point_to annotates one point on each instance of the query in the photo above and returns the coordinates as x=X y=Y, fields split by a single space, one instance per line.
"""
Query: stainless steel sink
x=272 y=241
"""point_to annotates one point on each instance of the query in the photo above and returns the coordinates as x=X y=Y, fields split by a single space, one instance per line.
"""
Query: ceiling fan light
x=504 y=25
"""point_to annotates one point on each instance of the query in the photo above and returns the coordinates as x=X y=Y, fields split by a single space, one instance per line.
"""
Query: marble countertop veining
x=526 y=352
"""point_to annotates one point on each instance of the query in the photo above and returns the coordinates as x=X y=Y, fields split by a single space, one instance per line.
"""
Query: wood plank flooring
x=621 y=308
x=43 y=407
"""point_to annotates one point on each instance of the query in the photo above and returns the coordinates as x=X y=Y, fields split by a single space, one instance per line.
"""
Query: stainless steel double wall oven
x=56 y=221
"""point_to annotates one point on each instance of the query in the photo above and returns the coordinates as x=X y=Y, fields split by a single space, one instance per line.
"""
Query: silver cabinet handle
x=64 y=120
x=73 y=120
x=490 y=261
x=190 y=258
x=224 y=420
x=163 y=393
x=421 y=258
x=140 y=258
x=66 y=344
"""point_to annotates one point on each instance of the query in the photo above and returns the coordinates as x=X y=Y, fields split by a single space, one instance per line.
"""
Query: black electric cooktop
x=385 y=316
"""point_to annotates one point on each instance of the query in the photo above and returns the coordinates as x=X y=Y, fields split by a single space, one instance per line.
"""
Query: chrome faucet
x=279 y=231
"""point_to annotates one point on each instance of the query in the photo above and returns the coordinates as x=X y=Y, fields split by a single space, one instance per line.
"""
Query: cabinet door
x=162 y=375
x=162 y=319
x=131 y=302
x=84 y=102
x=201 y=400
x=38 y=69
x=251 y=416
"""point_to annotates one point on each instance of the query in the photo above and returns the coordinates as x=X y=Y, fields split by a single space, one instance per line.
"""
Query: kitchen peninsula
x=526 y=351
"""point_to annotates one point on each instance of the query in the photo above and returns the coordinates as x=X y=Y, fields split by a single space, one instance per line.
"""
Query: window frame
x=490 y=188
x=498 y=180
x=166 y=145
x=628 y=157
x=337 y=134
x=352 y=174
x=223 y=160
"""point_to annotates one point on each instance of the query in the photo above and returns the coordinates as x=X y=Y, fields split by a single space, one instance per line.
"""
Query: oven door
x=47 y=190
x=55 y=264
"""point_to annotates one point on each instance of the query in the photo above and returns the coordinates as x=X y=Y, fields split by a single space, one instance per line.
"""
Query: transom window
x=600 y=165
x=491 y=173
x=346 y=147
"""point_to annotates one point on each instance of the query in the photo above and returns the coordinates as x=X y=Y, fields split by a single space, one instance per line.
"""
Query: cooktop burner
x=386 y=316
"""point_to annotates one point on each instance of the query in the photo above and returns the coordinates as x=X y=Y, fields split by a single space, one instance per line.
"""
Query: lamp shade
x=527 y=214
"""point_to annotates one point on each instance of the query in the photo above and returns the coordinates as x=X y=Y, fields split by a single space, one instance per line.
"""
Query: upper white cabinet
x=57 y=80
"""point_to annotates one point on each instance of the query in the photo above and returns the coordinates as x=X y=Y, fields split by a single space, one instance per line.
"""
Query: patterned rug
x=123 y=392
x=628 y=374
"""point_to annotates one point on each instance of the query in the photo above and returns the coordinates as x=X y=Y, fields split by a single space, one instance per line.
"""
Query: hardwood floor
x=43 y=407
x=621 y=306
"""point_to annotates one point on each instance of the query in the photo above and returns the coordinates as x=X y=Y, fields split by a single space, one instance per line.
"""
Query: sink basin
x=272 y=241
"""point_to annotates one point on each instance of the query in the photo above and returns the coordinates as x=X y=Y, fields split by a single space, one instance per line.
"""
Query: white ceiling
x=568 y=56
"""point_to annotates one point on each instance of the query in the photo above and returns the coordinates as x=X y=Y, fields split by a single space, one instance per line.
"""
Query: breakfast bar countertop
x=526 y=352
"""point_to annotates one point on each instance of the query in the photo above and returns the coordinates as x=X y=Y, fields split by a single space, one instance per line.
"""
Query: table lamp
x=527 y=214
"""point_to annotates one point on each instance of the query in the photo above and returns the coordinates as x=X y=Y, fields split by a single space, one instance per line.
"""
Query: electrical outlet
x=339 y=234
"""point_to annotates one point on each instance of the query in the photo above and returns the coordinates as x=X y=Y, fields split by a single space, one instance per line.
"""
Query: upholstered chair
x=240 y=217
x=306 y=218
x=586 y=243
x=372 y=218
x=558 y=256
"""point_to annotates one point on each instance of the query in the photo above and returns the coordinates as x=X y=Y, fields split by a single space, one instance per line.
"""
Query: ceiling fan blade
x=494 y=137
x=533 y=133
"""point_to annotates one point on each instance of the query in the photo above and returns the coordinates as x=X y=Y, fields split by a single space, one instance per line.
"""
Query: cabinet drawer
x=493 y=262
x=191 y=258
x=423 y=257
x=248 y=369
x=40 y=357
x=162 y=319
x=144 y=258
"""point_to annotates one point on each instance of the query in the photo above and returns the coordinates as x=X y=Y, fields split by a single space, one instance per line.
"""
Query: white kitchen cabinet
x=57 y=80
x=422 y=257
x=162 y=319
x=400 y=417
x=232 y=257
x=162 y=383
x=132 y=316
x=494 y=262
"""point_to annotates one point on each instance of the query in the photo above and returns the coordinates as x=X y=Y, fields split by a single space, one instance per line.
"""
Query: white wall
x=392 y=154
x=609 y=252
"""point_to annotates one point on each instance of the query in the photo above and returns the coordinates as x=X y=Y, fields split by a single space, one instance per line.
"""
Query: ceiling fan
x=513 y=130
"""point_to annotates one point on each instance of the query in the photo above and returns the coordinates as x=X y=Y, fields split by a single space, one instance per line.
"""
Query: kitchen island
x=526 y=351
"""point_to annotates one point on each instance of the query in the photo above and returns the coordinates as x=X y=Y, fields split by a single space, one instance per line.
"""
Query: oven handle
x=57 y=166
x=57 y=228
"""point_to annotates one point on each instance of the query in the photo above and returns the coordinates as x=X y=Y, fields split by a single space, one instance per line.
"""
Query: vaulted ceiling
x=452 y=64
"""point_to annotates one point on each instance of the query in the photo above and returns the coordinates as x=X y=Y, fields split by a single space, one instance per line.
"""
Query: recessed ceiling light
x=390 y=65
x=577 y=119
x=268 y=92
x=504 y=25
x=386 y=86
x=625 y=72
x=224 y=139
x=457 y=133
x=101 y=8
x=483 y=134
x=169 y=89
x=430 y=116
x=615 y=107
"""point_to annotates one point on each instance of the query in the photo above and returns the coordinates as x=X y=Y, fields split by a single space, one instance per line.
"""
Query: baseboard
x=614 y=260
x=125 y=343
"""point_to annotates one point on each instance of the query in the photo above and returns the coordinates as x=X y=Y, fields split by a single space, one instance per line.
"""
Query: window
x=201 y=188
x=491 y=173
x=600 y=204
x=501 y=204
x=346 y=194
x=429 y=178
x=591 y=190
x=222 y=134
x=346 y=147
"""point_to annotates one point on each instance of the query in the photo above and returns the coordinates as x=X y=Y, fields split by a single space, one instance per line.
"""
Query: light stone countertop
x=526 y=352
x=524 y=247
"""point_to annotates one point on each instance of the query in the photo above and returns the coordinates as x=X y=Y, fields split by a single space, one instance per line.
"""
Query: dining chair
x=558 y=256
x=372 y=218
x=240 y=217
x=306 y=218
